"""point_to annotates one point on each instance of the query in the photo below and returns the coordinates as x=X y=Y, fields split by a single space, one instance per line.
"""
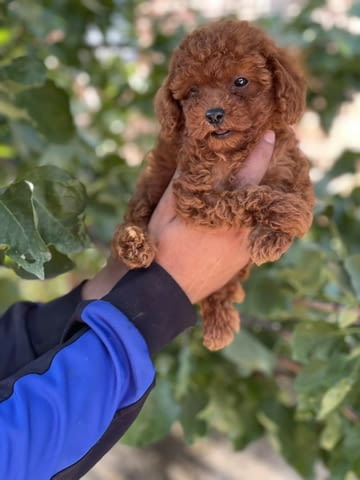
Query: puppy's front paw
x=132 y=246
x=267 y=245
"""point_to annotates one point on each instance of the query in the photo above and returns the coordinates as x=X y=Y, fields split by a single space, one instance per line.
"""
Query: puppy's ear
x=289 y=87
x=168 y=111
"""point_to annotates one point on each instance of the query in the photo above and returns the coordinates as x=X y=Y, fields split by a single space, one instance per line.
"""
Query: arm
x=64 y=408
x=62 y=411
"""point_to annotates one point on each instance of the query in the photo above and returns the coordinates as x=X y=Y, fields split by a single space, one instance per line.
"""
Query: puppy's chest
x=214 y=170
x=222 y=176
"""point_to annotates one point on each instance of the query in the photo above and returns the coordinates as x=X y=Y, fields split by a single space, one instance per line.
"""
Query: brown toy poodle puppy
x=228 y=83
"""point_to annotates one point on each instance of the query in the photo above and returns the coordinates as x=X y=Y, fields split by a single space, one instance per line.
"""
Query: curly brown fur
x=254 y=86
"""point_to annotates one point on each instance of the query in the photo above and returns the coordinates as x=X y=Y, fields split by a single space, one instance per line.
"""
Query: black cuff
x=154 y=303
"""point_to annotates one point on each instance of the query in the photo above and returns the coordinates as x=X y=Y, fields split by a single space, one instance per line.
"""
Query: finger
x=164 y=211
x=258 y=161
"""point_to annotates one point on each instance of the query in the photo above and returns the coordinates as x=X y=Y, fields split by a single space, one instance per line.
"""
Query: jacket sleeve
x=27 y=330
x=64 y=409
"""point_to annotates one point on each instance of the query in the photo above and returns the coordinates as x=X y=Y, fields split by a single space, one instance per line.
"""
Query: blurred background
x=77 y=82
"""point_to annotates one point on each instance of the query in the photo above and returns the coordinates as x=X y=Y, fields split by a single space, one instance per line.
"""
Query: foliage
x=77 y=80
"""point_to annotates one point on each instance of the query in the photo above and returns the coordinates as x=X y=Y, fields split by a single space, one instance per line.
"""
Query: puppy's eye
x=241 y=82
x=193 y=91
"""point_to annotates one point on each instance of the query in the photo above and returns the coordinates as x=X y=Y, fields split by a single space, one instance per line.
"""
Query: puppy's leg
x=289 y=212
x=279 y=217
x=131 y=243
x=220 y=318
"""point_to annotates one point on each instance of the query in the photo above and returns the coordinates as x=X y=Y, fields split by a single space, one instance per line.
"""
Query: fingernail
x=269 y=137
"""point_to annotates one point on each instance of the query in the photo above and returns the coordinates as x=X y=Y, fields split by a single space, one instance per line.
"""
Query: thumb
x=164 y=212
x=257 y=162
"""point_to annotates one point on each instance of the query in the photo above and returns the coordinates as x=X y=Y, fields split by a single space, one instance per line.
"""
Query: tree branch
x=350 y=414
x=327 y=307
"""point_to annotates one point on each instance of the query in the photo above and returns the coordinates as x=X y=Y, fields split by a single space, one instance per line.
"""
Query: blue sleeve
x=62 y=411
x=28 y=329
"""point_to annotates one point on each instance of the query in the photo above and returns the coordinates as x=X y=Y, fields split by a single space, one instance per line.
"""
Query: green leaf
x=338 y=465
x=305 y=440
x=313 y=340
x=320 y=375
x=184 y=372
x=352 y=448
x=48 y=107
x=317 y=378
x=275 y=300
x=28 y=141
x=334 y=396
x=5 y=35
x=308 y=270
x=347 y=317
x=29 y=71
x=59 y=201
x=222 y=414
x=57 y=265
x=155 y=420
x=193 y=426
x=18 y=234
x=9 y=109
x=249 y=355
x=346 y=163
x=278 y=421
x=332 y=432
x=352 y=266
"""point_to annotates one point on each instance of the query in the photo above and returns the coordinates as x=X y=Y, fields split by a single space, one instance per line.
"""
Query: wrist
x=104 y=280
x=153 y=301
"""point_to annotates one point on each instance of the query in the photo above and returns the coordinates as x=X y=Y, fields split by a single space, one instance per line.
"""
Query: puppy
x=227 y=84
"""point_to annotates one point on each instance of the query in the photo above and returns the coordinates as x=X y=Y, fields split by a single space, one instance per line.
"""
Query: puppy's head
x=227 y=83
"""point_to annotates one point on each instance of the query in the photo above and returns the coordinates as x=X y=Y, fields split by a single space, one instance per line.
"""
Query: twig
x=288 y=365
x=327 y=307
x=350 y=414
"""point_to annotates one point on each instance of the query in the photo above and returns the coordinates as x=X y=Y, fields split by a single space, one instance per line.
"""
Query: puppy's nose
x=215 y=116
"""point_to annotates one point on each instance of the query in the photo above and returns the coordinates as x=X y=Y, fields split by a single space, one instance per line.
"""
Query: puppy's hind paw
x=132 y=246
x=219 y=329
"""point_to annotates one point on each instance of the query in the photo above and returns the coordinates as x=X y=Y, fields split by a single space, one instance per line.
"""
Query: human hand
x=201 y=259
